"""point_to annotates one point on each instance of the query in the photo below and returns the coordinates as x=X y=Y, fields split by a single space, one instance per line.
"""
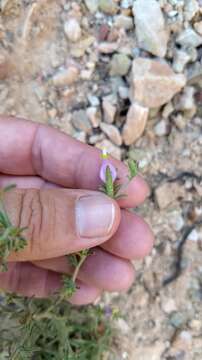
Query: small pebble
x=66 y=76
x=120 y=65
x=123 y=21
x=194 y=235
x=92 y=5
x=189 y=37
x=112 y=132
x=135 y=123
x=109 y=7
x=72 y=30
x=162 y=128
x=94 y=116
x=80 y=121
x=109 y=111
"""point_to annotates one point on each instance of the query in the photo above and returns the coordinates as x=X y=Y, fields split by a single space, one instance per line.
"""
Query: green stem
x=80 y=263
x=46 y=314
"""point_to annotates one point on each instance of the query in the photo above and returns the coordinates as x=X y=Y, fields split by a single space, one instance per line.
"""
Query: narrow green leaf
x=133 y=169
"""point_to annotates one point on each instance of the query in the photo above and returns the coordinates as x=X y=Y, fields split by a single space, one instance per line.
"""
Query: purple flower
x=106 y=163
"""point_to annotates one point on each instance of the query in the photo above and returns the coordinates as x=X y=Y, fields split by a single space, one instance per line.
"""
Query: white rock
x=161 y=128
x=92 y=5
x=123 y=21
x=123 y=92
x=189 y=37
x=194 y=235
x=112 y=132
x=168 y=306
x=135 y=123
x=72 y=30
x=154 y=83
x=150 y=27
x=66 y=76
x=191 y=7
x=108 y=47
x=186 y=100
x=109 y=111
x=93 y=100
x=181 y=58
x=94 y=116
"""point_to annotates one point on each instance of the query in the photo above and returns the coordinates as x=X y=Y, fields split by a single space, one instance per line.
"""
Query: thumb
x=60 y=221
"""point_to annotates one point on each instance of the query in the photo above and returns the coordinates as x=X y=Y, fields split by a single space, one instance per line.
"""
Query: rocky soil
x=126 y=75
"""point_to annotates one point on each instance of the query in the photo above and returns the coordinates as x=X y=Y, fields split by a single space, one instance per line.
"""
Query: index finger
x=28 y=148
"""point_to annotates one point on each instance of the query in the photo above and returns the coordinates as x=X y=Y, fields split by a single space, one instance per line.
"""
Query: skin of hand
x=57 y=198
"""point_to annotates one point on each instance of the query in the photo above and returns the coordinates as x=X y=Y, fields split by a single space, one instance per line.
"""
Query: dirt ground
x=68 y=64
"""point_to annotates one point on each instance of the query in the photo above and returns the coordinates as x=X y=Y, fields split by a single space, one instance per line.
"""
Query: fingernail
x=95 y=216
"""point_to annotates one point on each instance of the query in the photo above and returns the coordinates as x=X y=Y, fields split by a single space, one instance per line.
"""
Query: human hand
x=65 y=213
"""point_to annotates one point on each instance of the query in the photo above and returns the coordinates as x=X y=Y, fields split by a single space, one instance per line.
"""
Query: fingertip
x=85 y=294
x=136 y=193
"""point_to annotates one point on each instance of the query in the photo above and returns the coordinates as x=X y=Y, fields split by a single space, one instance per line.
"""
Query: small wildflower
x=107 y=164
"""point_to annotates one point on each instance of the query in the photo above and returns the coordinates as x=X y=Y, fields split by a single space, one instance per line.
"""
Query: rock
x=113 y=150
x=112 y=132
x=168 y=305
x=108 y=47
x=180 y=121
x=177 y=319
x=186 y=101
x=193 y=236
x=135 y=123
x=122 y=326
x=167 y=193
x=189 y=37
x=109 y=110
x=80 y=136
x=150 y=27
x=154 y=83
x=191 y=7
x=80 y=121
x=198 y=27
x=93 y=139
x=176 y=220
x=72 y=30
x=167 y=110
x=162 y=128
x=125 y=4
x=120 y=65
x=181 y=58
x=94 y=116
x=103 y=32
x=93 y=100
x=108 y=6
x=92 y=5
x=78 y=49
x=182 y=343
x=123 y=92
x=66 y=76
x=123 y=21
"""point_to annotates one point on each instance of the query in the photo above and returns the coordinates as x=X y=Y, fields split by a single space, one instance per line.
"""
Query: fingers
x=31 y=281
x=133 y=239
x=101 y=270
x=34 y=149
x=60 y=221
